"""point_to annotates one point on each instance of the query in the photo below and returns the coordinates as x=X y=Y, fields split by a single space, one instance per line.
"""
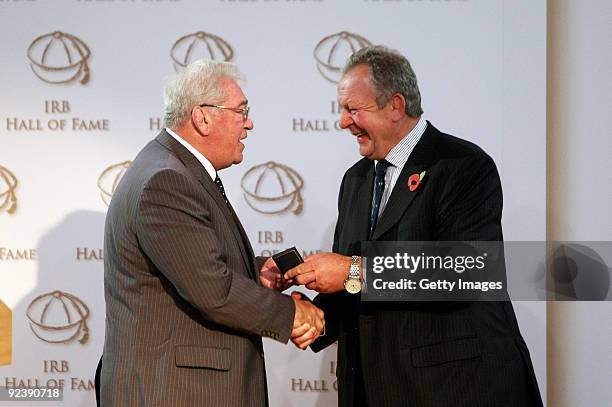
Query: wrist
x=354 y=263
x=353 y=282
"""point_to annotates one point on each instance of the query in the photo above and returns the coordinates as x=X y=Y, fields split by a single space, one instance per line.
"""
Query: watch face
x=353 y=285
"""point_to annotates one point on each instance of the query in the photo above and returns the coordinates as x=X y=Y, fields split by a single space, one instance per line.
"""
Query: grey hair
x=390 y=73
x=196 y=84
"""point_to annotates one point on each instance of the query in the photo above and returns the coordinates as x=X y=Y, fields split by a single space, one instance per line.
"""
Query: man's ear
x=201 y=120
x=398 y=106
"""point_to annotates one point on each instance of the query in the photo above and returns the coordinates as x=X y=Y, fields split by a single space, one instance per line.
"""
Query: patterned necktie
x=379 y=186
x=220 y=186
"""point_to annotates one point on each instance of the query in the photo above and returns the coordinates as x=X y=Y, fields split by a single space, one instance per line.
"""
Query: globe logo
x=6 y=335
x=199 y=45
x=59 y=317
x=109 y=179
x=332 y=52
x=273 y=188
x=8 y=183
x=59 y=57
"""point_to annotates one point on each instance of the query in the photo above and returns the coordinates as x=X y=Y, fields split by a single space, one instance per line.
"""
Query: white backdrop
x=481 y=70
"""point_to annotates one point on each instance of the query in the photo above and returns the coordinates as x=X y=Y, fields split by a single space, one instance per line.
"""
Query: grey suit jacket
x=185 y=311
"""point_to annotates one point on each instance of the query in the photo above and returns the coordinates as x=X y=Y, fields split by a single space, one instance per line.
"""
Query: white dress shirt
x=200 y=157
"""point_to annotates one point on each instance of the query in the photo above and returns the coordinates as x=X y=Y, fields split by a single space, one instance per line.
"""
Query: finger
x=294 y=272
x=272 y=270
x=270 y=263
x=312 y=286
x=309 y=342
x=306 y=339
x=300 y=331
x=269 y=284
x=304 y=279
x=299 y=322
x=303 y=341
x=297 y=295
x=299 y=270
x=305 y=345
x=320 y=325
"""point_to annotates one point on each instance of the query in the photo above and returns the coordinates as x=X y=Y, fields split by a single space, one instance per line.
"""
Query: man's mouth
x=361 y=136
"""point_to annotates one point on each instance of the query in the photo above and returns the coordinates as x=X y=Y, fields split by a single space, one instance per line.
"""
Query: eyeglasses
x=244 y=111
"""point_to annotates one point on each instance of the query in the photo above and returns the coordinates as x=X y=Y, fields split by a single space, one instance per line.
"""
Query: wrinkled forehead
x=356 y=84
x=233 y=92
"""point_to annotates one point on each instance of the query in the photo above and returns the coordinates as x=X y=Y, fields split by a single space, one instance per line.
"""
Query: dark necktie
x=219 y=185
x=379 y=187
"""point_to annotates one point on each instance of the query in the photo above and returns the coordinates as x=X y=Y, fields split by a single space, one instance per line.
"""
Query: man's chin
x=238 y=159
x=366 y=151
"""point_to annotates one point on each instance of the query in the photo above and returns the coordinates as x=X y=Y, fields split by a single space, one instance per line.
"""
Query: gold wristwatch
x=353 y=282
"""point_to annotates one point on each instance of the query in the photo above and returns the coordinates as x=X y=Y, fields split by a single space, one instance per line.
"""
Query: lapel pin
x=415 y=180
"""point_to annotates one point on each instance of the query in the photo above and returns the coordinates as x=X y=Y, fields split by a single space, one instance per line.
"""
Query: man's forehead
x=355 y=84
x=233 y=91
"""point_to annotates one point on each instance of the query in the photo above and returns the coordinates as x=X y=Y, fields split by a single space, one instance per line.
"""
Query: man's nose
x=345 y=119
x=248 y=124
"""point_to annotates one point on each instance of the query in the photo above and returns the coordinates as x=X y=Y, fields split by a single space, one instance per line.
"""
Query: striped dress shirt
x=397 y=157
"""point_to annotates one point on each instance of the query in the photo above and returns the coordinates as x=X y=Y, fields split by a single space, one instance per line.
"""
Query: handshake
x=322 y=272
x=308 y=322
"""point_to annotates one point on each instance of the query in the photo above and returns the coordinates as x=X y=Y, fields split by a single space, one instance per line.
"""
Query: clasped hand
x=309 y=321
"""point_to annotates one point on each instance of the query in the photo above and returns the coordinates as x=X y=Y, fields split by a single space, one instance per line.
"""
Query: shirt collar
x=199 y=156
x=402 y=150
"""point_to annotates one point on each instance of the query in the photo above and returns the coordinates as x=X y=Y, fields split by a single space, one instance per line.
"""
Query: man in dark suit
x=414 y=183
x=186 y=309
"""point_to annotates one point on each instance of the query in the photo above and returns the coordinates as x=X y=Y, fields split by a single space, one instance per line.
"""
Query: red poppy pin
x=415 y=180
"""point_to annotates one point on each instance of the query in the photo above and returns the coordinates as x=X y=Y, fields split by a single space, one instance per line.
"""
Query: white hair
x=196 y=84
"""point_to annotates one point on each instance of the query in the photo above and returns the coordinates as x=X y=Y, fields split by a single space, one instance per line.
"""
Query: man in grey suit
x=185 y=305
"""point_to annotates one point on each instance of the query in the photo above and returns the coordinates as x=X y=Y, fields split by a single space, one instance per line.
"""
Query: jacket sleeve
x=175 y=230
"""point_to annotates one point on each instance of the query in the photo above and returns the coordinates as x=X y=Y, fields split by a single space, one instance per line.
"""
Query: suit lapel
x=401 y=197
x=363 y=201
x=199 y=172
x=247 y=245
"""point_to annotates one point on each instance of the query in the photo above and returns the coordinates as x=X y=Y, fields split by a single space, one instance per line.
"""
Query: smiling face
x=360 y=114
x=229 y=127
